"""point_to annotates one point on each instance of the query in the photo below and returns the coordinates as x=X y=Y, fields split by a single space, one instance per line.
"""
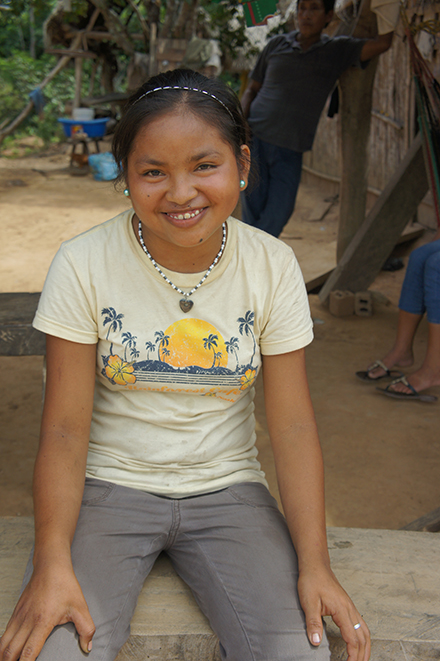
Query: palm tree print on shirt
x=130 y=343
x=232 y=347
x=186 y=351
x=209 y=343
x=162 y=340
x=245 y=327
x=115 y=321
x=150 y=346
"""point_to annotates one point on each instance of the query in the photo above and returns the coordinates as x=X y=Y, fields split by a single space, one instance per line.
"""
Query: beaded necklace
x=185 y=303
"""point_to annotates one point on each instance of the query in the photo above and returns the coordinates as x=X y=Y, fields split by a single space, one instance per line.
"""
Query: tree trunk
x=32 y=31
x=168 y=24
x=152 y=66
x=356 y=87
x=184 y=28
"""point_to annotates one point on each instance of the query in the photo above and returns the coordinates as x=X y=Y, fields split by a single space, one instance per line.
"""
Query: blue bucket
x=94 y=128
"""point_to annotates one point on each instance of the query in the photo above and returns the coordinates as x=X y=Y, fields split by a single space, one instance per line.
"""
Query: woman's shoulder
x=98 y=236
x=252 y=240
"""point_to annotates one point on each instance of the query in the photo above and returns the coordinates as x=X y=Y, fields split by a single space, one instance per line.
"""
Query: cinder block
x=341 y=303
x=363 y=304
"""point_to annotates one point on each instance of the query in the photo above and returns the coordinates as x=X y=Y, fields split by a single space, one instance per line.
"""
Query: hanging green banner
x=258 y=11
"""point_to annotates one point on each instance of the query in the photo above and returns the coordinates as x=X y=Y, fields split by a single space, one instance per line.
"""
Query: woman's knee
x=276 y=645
x=417 y=259
x=432 y=288
x=432 y=265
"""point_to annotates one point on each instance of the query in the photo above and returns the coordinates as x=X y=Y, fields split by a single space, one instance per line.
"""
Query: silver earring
x=242 y=183
x=127 y=192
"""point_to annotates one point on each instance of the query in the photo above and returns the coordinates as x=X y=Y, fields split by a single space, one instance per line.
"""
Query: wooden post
x=356 y=87
x=78 y=79
x=357 y=92
x=381 y=229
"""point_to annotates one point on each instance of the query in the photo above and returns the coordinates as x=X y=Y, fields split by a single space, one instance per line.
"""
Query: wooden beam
x=75 y=53
x=381 y=229
x=356 y=87
x=99 y=35
x=17 y=336
x=428 y=523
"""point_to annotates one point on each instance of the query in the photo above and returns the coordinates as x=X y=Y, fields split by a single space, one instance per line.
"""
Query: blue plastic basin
x=94 y=128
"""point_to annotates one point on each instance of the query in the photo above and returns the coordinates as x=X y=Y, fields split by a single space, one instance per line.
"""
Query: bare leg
x=401 y=354
x=429 y=373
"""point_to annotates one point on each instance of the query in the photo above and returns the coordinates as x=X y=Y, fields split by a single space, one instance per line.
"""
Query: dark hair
x=329 y=5
x=223 y=112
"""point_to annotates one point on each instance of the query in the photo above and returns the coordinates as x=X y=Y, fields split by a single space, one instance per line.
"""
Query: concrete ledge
x=392 y=576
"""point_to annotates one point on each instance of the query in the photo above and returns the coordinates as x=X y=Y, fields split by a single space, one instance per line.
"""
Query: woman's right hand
x=53 y=596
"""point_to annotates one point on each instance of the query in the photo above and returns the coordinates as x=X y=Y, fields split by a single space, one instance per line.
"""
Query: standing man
x=289 y=86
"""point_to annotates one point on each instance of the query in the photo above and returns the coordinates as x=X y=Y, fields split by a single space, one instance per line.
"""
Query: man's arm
x=249 y=95
x=376 y=46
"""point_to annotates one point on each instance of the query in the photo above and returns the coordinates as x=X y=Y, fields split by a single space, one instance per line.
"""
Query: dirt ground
x=382 y=456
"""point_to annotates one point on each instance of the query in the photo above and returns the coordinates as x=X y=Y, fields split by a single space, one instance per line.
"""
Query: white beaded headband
x=190 y=89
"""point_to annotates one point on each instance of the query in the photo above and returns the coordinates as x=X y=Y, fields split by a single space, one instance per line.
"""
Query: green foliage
x=232 y=80
x=15 y=25
x=282 y=28
x=222 y=16
x=19 y=75
x=78 y=8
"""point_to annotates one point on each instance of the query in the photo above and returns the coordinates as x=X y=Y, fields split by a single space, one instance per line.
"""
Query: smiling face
x=184 y=182
x=312 y=18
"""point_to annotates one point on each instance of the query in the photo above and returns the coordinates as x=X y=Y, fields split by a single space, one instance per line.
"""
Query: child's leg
x=412 y=296
x=120 y=533
x=412 y=305
x=432 y=286
x=429 y=373
x=234 y=550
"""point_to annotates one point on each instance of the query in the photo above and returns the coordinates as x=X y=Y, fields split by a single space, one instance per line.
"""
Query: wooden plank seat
x=17 y=337
x=392 y=575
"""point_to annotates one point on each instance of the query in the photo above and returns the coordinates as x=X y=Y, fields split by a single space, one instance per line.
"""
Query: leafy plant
x=19 y=75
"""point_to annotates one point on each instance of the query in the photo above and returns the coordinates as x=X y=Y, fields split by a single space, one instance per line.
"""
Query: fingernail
x=89 y=646
x=316 y=638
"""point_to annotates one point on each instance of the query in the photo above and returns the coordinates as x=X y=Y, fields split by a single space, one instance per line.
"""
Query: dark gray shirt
x=295 y=85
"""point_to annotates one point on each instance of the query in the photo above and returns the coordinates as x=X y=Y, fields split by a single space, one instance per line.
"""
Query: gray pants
x=232 y=548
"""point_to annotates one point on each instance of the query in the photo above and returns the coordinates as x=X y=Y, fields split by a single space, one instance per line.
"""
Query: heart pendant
x=186 y=304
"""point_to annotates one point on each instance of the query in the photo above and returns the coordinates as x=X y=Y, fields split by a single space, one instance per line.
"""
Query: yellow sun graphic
x=193 y=342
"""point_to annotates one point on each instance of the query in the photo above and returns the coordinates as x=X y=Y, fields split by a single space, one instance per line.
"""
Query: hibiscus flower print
x=119 y=371
x=248 y=379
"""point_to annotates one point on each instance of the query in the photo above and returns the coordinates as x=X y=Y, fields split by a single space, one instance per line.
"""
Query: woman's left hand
x=321 y=594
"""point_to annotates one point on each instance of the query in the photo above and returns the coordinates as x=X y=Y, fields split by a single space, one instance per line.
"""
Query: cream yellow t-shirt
x=173 y=406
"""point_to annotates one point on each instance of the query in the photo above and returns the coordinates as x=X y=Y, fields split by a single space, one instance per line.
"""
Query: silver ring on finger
x=357 y=626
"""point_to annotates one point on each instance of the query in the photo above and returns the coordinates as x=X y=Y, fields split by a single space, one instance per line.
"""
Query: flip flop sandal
x=389 y=374
x=406 y=395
